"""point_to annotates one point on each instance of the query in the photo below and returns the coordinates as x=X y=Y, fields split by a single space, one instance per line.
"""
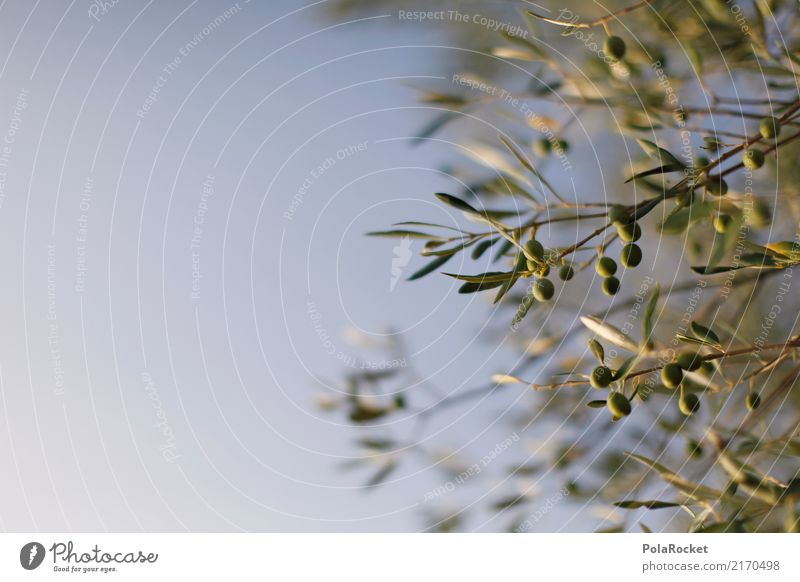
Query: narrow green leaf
x=528 y=302
x=665 y=169
x=430 y=267
x=458 y=204
x=489 y=277
x=647 y=319
x=659 y=154
x=703 y=333
x=404 y=233
x=646 y=504
x=597 y=350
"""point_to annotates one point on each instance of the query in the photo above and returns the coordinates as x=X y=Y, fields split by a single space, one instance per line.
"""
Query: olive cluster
x=534 y=259
x=630 y=255
x=543 y=288
x=617 y=403
x=752 y=158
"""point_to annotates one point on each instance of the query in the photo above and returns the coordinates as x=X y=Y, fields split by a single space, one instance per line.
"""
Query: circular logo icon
x=31 y=555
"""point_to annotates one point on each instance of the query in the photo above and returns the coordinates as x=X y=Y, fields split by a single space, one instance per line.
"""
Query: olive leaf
x=659 y=154
x=405 y=233
x=597 y=350
x=665 y=169
x=703 y=333
x=647 y=318
x=528 y=302
x=630 y=504
x=430 y=267
x=609 y=333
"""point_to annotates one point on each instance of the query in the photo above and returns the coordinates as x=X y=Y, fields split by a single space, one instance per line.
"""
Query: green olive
x=605 y=266
x=610 y=285
x=694 y=449
x=601 y=377
x=542 y=147
x=614 y=47
x=566 y=272
x=630 y=232
x=543 y=290
x=752 y=401
x=716 y=186
x=618 y=404
x=562 y=146
x=534 y=250
x=761 y=214
x=769 y=128
x=701 y=162
x=707 y=368
x=672 y=375
x=722 y=222
x=618 y=214
x=753 y=159
x=631 y=255
x=689 y=404
x=690 y=361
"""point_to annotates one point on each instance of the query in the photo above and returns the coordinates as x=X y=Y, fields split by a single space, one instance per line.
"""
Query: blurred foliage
x=654 y=290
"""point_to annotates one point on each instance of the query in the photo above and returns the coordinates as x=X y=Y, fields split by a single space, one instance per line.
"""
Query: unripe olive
x=631 y=255
x=618 y=404
x=618 y=214
x=761 y=214
x=562 y=146
x=601 y=377
x=753 y=159
x=671 y=375
x=752 y=401
x=543 y=290
x=542 y=147
x=694 y=449
x=690 y=361
x=769 y=128
x=532 y=265
x=722 y=222
x=707 y=368
x=630 y=232
x=716 y=186
x=605 y=266
x=701 y=162
x=534 y=250
x=610 y=285
x=689 y=404
x=544 y=270
x=566 y=272
x=614 y=47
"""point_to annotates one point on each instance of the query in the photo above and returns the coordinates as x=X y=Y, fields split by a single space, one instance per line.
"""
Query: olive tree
x=640 y=189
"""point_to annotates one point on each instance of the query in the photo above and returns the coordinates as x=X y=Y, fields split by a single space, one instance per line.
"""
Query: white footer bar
x=401 y=557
